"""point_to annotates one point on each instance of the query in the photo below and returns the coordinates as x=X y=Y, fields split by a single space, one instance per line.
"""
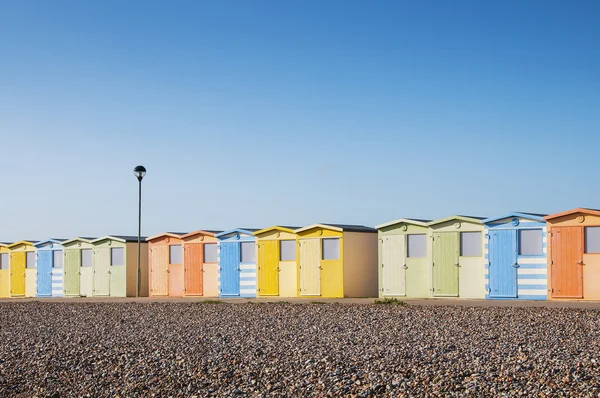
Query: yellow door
x=268 y=268
x=332 y=270
x=17 y=274
x=310 y=267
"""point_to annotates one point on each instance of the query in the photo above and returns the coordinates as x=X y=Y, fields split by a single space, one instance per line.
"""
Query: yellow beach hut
x=4 y=270
x=276 y=262
x=23 y=273
x=336 y=260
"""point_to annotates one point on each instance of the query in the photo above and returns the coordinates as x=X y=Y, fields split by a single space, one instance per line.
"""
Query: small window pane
x=175 y=254
x=417 y=245
x=592 y=239
x=117 y=255
x=470 y=244
x=248 y=252
x=331 y=249
x=4 y=259
x=530 y=242
x=58 y=259
x=210 y=253
x=86 y=257
x=287 y=249
x=30 y=260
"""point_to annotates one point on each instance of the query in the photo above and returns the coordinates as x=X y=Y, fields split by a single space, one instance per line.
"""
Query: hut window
x=287 y=250
x=30 y=260
x=331 y=249
x=4 y=261
x=592 y=239
x=86 y=257
x=58 y=259
x=175 y=254
x=248 y=252
x=210 y=253
x=117 y=256
x=470 y=244
x=530 y=242
x=417 y=244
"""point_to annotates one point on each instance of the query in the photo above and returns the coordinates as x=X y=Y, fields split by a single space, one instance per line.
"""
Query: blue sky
x=254 y=113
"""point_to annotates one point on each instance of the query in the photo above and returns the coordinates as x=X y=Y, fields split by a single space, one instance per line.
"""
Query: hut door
x=310 y=267
x=393 y=263
x=502 y=266
x=193 y=261
x=44 y=273
x=159 y=267
x=102 y=272
x=445 y=264
x=567 y=262
x=72 y=272
x=230 y=268
x=268 y=268
x=17 y=274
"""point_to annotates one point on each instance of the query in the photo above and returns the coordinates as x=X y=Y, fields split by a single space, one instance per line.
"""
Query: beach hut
x=165 y=253
x=115 y=266
x=49 y=268
x=200 y=263
x=457 y=259
x=276 y=262
x=78 y=267
x=336 y=260
x=515 y=256
x=4 y=270
x=404 y=256
x=22 y=269
x=237 y=263
x=574 y=254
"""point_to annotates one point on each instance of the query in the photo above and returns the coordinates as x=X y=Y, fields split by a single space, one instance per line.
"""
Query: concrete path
x=445 y=301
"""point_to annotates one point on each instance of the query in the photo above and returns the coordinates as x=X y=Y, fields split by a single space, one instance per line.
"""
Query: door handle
x=168 y=272
x=515 y=265
x=580 y=262
x=457 y=264
x=79 y=273
x=108 y=272
x=404 y=266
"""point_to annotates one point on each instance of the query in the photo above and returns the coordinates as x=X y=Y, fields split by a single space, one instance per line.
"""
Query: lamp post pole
x=139 y=172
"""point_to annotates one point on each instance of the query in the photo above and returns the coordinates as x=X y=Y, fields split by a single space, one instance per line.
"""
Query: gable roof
x=338 y=227
x=200 y=232
x=594 y=212
x=85 y=239
x=531 y=216
x=276 y=228
x=413 y=221
x=247 y=231
x=22 y=242
x=177 y=235
x=51 y=240
x=120 y=238
x=471 y=219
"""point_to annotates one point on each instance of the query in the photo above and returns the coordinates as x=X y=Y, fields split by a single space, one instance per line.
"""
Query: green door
x=445 y=264
x=101 y=271
x=72 y=273
x=393 y=265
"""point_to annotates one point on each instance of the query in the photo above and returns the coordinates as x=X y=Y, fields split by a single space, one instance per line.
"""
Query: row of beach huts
x=514 y=256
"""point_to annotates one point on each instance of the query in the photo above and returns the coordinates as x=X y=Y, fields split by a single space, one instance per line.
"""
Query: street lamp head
x=139 y=172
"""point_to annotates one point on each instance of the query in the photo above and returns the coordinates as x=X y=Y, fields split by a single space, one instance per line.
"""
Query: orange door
x=193 y=261
x=567 y=262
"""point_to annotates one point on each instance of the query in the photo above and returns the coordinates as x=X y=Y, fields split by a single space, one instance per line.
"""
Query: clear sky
x=254 y=113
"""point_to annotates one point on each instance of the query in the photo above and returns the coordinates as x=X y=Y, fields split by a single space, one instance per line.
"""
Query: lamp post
x=139 y=172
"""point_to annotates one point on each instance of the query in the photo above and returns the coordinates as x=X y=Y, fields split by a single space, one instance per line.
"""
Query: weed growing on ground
x=389 y=301
x=212 y=302
x=317 y=302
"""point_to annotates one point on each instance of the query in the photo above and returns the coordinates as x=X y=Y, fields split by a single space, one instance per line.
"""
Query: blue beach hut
x=50 y=271
x=515 y=257
x=237 y=263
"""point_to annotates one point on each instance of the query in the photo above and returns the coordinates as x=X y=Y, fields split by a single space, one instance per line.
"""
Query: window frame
x=111 y=256
x=585 y=245
x=81 y=258
x=32 y=254
x=339 y=249
x=216 y=245
x=241 y=252
x=460 y=244
x=180 y=246
x=62 y=260
x=424 y=235
x=292 y=242
x=7 y=256
x=541 y=254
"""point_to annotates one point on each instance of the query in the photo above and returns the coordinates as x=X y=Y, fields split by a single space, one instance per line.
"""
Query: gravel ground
x=202 y=349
